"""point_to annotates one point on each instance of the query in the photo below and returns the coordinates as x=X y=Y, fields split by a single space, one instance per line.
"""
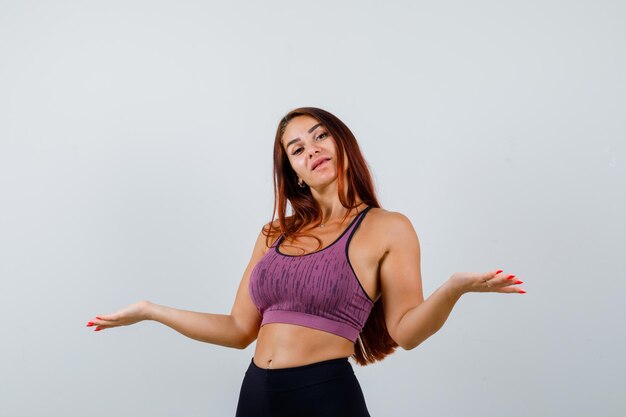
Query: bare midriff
x=281 y=345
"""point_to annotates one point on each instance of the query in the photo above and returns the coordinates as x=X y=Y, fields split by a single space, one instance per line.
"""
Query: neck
x=327 y=199
x=336 y=212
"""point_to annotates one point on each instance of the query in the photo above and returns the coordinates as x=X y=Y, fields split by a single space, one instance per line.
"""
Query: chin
x=324 y=184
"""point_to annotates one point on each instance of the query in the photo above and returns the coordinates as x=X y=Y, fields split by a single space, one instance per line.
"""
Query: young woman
x=338 y=278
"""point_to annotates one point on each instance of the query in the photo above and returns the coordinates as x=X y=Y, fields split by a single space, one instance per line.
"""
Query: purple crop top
x=318 y=290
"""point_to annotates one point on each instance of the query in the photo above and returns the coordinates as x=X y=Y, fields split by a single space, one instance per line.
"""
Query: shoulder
x=386 y=219
x=391 y=227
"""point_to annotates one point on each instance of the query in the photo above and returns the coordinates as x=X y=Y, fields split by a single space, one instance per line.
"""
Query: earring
x=301 y=183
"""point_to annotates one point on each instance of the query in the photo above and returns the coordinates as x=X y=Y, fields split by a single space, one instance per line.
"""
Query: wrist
x=148 y=310
x=453 y=288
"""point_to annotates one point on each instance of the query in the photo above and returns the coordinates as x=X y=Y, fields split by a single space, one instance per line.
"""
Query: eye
x=321 y=136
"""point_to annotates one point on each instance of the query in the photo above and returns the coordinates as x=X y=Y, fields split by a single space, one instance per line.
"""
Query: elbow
x=409 y=346
x=411 y=341
x=405 y=342
x=243 y=335
x=246 y=341
x=242 y=346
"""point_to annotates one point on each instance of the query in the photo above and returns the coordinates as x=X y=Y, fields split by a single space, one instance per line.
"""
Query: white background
x=135 y=163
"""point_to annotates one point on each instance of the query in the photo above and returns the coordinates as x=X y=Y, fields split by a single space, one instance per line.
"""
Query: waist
x=281 y=345
x=286 y=379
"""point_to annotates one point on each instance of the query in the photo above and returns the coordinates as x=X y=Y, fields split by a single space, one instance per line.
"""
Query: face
x=307 y=142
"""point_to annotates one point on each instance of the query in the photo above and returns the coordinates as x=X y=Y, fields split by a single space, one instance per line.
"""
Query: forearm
x=218 y=329
x=424 y=320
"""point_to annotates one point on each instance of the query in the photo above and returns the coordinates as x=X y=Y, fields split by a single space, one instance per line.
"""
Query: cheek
x=298 y=165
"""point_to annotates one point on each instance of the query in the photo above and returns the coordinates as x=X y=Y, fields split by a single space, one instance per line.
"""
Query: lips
x=318 y=162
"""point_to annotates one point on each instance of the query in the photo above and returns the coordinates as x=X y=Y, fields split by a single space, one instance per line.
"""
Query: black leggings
x=328 y=388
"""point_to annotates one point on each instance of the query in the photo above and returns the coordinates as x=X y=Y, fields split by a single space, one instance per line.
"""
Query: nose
x=313 y=150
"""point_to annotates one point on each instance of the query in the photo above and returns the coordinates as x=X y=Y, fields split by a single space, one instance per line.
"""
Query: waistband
x=296 y=377
x=302 y=367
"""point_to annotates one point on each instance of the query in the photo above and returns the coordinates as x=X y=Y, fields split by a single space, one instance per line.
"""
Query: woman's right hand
x=131 y=314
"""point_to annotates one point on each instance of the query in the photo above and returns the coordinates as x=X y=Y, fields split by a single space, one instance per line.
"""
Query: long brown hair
x=374 y=342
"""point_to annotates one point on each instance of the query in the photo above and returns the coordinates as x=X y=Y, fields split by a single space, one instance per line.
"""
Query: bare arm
x=237 y=329
x=410 y=319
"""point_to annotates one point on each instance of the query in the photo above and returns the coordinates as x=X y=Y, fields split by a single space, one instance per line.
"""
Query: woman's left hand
x=493 y=281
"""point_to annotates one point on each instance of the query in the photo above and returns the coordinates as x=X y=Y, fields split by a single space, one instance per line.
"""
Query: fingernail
x=522 y=292
x=90 y=324
x=519 y=282
x=99 y=318
x=509 y=277
x=98 y=329
x=498 y=271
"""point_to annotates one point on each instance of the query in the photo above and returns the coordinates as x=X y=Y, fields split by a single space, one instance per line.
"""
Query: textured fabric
x=318 y=290
x=321 y=389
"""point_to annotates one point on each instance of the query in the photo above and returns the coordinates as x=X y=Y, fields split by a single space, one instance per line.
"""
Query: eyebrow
x=297 y=139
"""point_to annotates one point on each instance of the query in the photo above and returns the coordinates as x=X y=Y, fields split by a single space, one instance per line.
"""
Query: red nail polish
x=97 y=329
x=522 y=292
x=90 y=324
x=99 y=318
x=498 y=271
x=510 y=277
x=519 y=282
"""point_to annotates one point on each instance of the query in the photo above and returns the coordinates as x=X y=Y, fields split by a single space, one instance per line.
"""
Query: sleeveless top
x=319 y=290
